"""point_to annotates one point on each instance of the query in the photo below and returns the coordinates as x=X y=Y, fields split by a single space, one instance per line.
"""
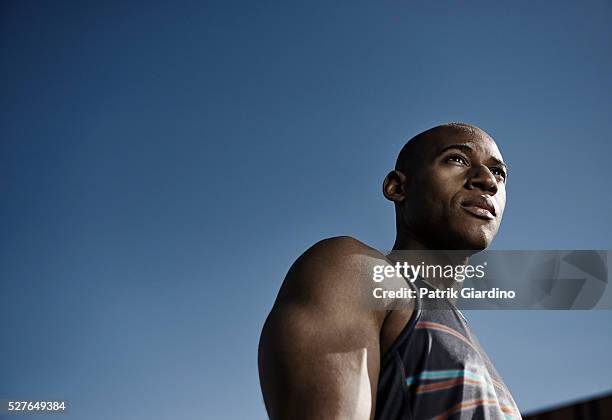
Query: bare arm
x=319 y=353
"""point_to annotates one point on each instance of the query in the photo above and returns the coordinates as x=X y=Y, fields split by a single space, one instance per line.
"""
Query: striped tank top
x=436 y=369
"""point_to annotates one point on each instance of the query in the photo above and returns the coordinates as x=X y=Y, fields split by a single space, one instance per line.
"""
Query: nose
x=481 y=178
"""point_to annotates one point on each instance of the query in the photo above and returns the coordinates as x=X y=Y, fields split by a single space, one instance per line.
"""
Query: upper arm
x=319 y=354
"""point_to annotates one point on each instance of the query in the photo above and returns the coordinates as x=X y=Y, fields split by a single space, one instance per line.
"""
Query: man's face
x=455 y=199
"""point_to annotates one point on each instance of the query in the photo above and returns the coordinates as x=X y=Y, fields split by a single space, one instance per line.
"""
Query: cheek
x=424 y=208
x=434 y=194
x=501 y=200
x=437 y=203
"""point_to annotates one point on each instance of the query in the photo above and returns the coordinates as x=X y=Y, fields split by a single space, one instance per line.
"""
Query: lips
x=481 y=206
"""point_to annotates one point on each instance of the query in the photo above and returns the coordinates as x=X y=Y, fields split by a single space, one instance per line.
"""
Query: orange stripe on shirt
x=454 y=333
x=473 y=404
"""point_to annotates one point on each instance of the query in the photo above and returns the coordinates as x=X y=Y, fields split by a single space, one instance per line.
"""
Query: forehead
x=479 y=141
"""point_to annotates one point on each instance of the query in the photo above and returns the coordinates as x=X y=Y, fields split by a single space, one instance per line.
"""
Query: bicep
x=315 y=363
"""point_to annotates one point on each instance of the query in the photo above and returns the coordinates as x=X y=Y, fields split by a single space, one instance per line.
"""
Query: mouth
x=481 y=207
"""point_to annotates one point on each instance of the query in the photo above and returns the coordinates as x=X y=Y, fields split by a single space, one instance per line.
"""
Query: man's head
x=449 y=188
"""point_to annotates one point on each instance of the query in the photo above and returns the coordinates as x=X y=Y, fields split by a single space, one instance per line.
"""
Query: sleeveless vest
x=436 y=369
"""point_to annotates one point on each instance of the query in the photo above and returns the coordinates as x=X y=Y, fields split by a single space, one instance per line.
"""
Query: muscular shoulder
x=332 y=269
x=319 y=347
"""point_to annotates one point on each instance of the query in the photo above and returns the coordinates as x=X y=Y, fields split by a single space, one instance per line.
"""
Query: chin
x=475 y=241
x=480 y=243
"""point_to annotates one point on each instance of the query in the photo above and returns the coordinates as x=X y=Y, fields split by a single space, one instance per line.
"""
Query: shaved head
x=410 y=157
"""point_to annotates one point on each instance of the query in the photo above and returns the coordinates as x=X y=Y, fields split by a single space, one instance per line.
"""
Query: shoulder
x=332 y=269
x=338 y=252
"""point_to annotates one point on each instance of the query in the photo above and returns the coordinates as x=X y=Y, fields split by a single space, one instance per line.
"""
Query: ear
x=394 y=186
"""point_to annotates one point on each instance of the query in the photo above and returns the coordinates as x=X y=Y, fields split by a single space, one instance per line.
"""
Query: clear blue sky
x=162 y=165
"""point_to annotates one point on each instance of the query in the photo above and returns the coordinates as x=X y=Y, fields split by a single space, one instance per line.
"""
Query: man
x=324 y=355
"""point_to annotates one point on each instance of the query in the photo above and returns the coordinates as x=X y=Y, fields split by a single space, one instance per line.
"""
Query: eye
x=458 y=159
x=499 y=172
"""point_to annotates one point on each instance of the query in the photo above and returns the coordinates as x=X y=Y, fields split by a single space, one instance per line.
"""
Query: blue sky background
x=162 y=165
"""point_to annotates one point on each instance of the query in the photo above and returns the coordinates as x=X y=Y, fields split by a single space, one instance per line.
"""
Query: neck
x=410 y=249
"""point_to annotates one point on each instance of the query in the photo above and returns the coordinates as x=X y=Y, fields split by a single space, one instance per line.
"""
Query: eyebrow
x=469 y=149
